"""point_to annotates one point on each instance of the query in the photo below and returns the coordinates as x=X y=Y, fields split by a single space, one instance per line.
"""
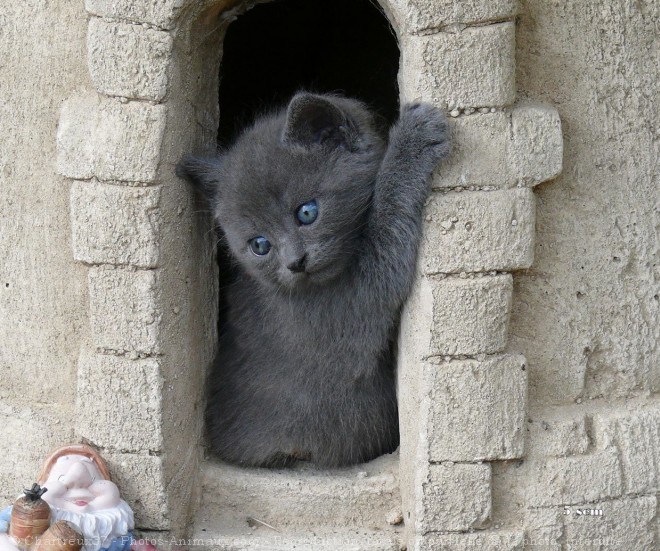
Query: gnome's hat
x=74 y=449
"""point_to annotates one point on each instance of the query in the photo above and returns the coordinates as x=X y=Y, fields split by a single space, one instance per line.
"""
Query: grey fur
x=305 y=367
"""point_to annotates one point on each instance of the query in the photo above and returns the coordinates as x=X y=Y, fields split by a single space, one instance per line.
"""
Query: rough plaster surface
x=354 y=508
x=28 y=435
x=574 y=479
x=638 y=438
x=490 y=393
x=140 y=55
x=471 y=67
x=629 y=524
x=586 y=313
x=42 y=289
x=484 y=541
x=305 y=497
x=424 y=15
x=482 y=304
x=115 y=224
x=120 y=402
x=110 y=139
x=478 y=231
x=455 y=497
x=502 y=148
x=124 y=312
x=159 y=13
x=560 y=437
x=149 y=498
x=263 y=538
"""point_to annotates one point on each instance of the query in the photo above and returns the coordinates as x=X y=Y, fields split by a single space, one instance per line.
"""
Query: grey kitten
x=322 y=216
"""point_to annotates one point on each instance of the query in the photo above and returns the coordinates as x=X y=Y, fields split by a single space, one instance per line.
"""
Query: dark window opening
x=278 y=48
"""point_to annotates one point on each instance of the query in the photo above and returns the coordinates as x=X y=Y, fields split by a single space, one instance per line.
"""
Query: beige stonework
x=487 y=398
x=470 y=315
x=101 y=129
x=128 y=60
x=425 y=16
x=115 y=224
x=558 y=437
x=454 y=497
x=470 y=67
x=159 y=13
x=474 y=231
x=120 y=402
x=496 y=149
x=124 y=310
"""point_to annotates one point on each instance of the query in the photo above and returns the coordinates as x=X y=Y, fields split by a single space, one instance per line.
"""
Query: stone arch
x=151 y=268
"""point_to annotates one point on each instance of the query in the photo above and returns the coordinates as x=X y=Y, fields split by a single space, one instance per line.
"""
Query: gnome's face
x=75 y=484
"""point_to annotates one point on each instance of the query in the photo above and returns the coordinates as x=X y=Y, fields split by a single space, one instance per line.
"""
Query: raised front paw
x=424 y=128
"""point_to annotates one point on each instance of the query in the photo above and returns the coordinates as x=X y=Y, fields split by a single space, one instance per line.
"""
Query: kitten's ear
x=313 y=120
x=204 y=174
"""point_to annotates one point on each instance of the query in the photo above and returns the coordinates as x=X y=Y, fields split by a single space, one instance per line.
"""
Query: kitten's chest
x=332 y=322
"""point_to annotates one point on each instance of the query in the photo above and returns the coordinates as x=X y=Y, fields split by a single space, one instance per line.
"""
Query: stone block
x=521 y=146
x=124 y=314
x=425 y=15
x=160 y=13
x=614 y=525
x=109 y=139
x=142 y=480
x=454 y=497
x=413 y=346
x=575 y=479
x=129 y=137
x=536 y=151
x=486 y=540
x=478 y=231
x=359 y=496
x=558 y=437
x=491 y=394
x=543 y=529
x=119 y=402
x=471 y=315
x=115 y=224
x=76 y=146
x=638 y=439
x=128 y=60
x=479 y=146
x=469 y=68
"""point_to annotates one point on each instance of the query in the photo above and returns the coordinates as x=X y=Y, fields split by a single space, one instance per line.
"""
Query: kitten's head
x=292 y=194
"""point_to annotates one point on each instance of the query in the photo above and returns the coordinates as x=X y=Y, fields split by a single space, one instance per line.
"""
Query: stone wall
x=463 y=398
x=43 y=291
x=148 y=247
x=529 y=365
x=586 y=314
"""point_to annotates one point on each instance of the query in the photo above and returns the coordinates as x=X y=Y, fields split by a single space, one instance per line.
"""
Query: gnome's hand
x=5 y=517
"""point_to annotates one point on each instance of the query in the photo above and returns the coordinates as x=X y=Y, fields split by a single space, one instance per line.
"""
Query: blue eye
x=307 y=213
x=259 y=245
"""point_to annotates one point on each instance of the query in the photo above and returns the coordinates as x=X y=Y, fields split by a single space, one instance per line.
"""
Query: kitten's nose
x=298 y=266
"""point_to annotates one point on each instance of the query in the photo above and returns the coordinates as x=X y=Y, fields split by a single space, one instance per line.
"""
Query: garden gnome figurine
x=80 y=492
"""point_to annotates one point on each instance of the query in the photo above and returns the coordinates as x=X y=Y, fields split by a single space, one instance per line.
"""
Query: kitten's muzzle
x=299 y=265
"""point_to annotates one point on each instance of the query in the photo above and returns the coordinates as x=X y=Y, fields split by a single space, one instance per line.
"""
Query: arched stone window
x=153 y=290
